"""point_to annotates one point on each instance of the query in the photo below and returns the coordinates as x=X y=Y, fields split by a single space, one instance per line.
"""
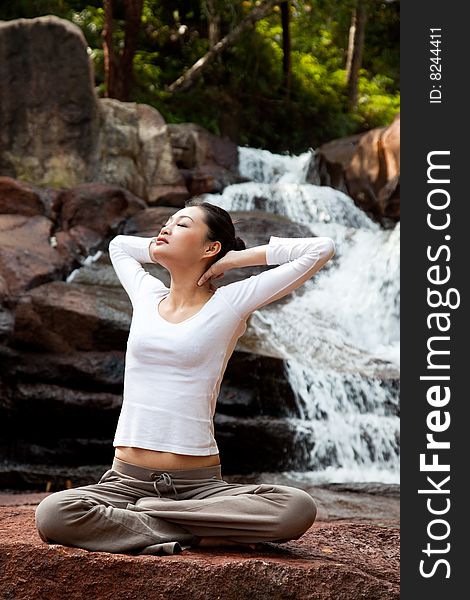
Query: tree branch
x=190 y=76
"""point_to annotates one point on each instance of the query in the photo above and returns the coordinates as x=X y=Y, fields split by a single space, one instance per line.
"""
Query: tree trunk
x=133 y=12
x=355 y=49
x=213 y=23
x=192 y=74
x=118 y=67
x=110 y=59
x=286 y=47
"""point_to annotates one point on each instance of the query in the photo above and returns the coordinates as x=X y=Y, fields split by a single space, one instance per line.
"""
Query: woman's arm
x=126 y=253
x=298 y=260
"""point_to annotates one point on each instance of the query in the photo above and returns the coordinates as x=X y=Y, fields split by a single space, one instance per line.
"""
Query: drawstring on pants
x=167 y=480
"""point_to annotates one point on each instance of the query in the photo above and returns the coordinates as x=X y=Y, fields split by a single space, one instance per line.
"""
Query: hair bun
x=239 y=244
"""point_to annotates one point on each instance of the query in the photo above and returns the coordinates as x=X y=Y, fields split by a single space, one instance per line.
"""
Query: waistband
x=148 y=474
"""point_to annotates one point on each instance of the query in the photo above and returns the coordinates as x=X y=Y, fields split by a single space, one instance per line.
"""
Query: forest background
x=285 y=76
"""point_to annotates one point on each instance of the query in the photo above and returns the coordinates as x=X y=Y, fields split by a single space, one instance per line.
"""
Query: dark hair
x=220 y=227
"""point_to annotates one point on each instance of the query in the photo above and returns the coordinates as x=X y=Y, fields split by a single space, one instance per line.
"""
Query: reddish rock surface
x=27 y=258
x=341 y=560
x=22 y=198
x=373 y=174
x=366 y=166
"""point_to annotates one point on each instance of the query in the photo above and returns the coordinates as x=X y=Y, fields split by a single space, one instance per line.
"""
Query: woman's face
x=186 y=234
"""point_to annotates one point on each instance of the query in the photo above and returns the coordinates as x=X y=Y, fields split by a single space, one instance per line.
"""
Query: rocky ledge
x=341 y=559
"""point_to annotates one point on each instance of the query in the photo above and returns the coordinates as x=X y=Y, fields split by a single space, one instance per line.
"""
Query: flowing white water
x=342 y=355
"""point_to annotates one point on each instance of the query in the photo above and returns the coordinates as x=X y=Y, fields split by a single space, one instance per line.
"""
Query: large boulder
x=365 y=166
x=135 y=152
x=56 y=132
x=49 y=115
x=208 y=163
x=341 y=560
x=374 y=171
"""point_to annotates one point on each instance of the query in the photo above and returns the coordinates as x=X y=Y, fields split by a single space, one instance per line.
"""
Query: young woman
x=165 y=492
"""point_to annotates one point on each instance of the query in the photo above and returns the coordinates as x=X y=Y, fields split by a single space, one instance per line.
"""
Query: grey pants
x=134 y=509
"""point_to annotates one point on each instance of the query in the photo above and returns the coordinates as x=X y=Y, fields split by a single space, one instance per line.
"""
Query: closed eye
x=179 y=225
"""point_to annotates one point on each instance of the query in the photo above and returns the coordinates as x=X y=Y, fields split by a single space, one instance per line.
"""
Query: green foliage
x=376 y=106
x=242 y=93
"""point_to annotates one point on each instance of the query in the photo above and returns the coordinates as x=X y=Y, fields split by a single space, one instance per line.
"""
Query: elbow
x=114 y=242
x=328 y=248
x=331 y=248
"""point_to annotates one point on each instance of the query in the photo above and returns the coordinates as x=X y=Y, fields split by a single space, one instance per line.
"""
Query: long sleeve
x=126 y=253
x=298 y=260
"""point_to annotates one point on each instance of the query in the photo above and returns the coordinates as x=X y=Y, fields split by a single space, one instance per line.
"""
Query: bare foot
x=220 y=541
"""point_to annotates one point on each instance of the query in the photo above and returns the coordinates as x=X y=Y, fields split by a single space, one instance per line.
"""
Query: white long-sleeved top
x=173 y=371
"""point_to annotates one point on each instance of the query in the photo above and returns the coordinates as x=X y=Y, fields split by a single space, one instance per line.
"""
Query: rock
x=89 y=370
x=135 y=153
x=90 y=211
x=147 y=222
x=389 y=199
x=45 y=233
x=256 y=385
x=193 y=146
x=330 y=161
x=26 y=475
x=261 y=443
x=22 y=198
x=208 y=179
x=63 y=317
x=7 y=316
x=207 y=162
x=46 y=138
x=99 y=206
x=71 y=136
x=375 y=163
x=365 y=166
x=345 y=561
x=65 y=452
x=76 y=412
x=27 y=258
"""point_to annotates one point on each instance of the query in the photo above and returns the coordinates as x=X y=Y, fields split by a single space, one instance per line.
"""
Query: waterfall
x=340 y=338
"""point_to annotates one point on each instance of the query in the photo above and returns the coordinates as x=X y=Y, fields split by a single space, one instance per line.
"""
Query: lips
x=161 y=239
